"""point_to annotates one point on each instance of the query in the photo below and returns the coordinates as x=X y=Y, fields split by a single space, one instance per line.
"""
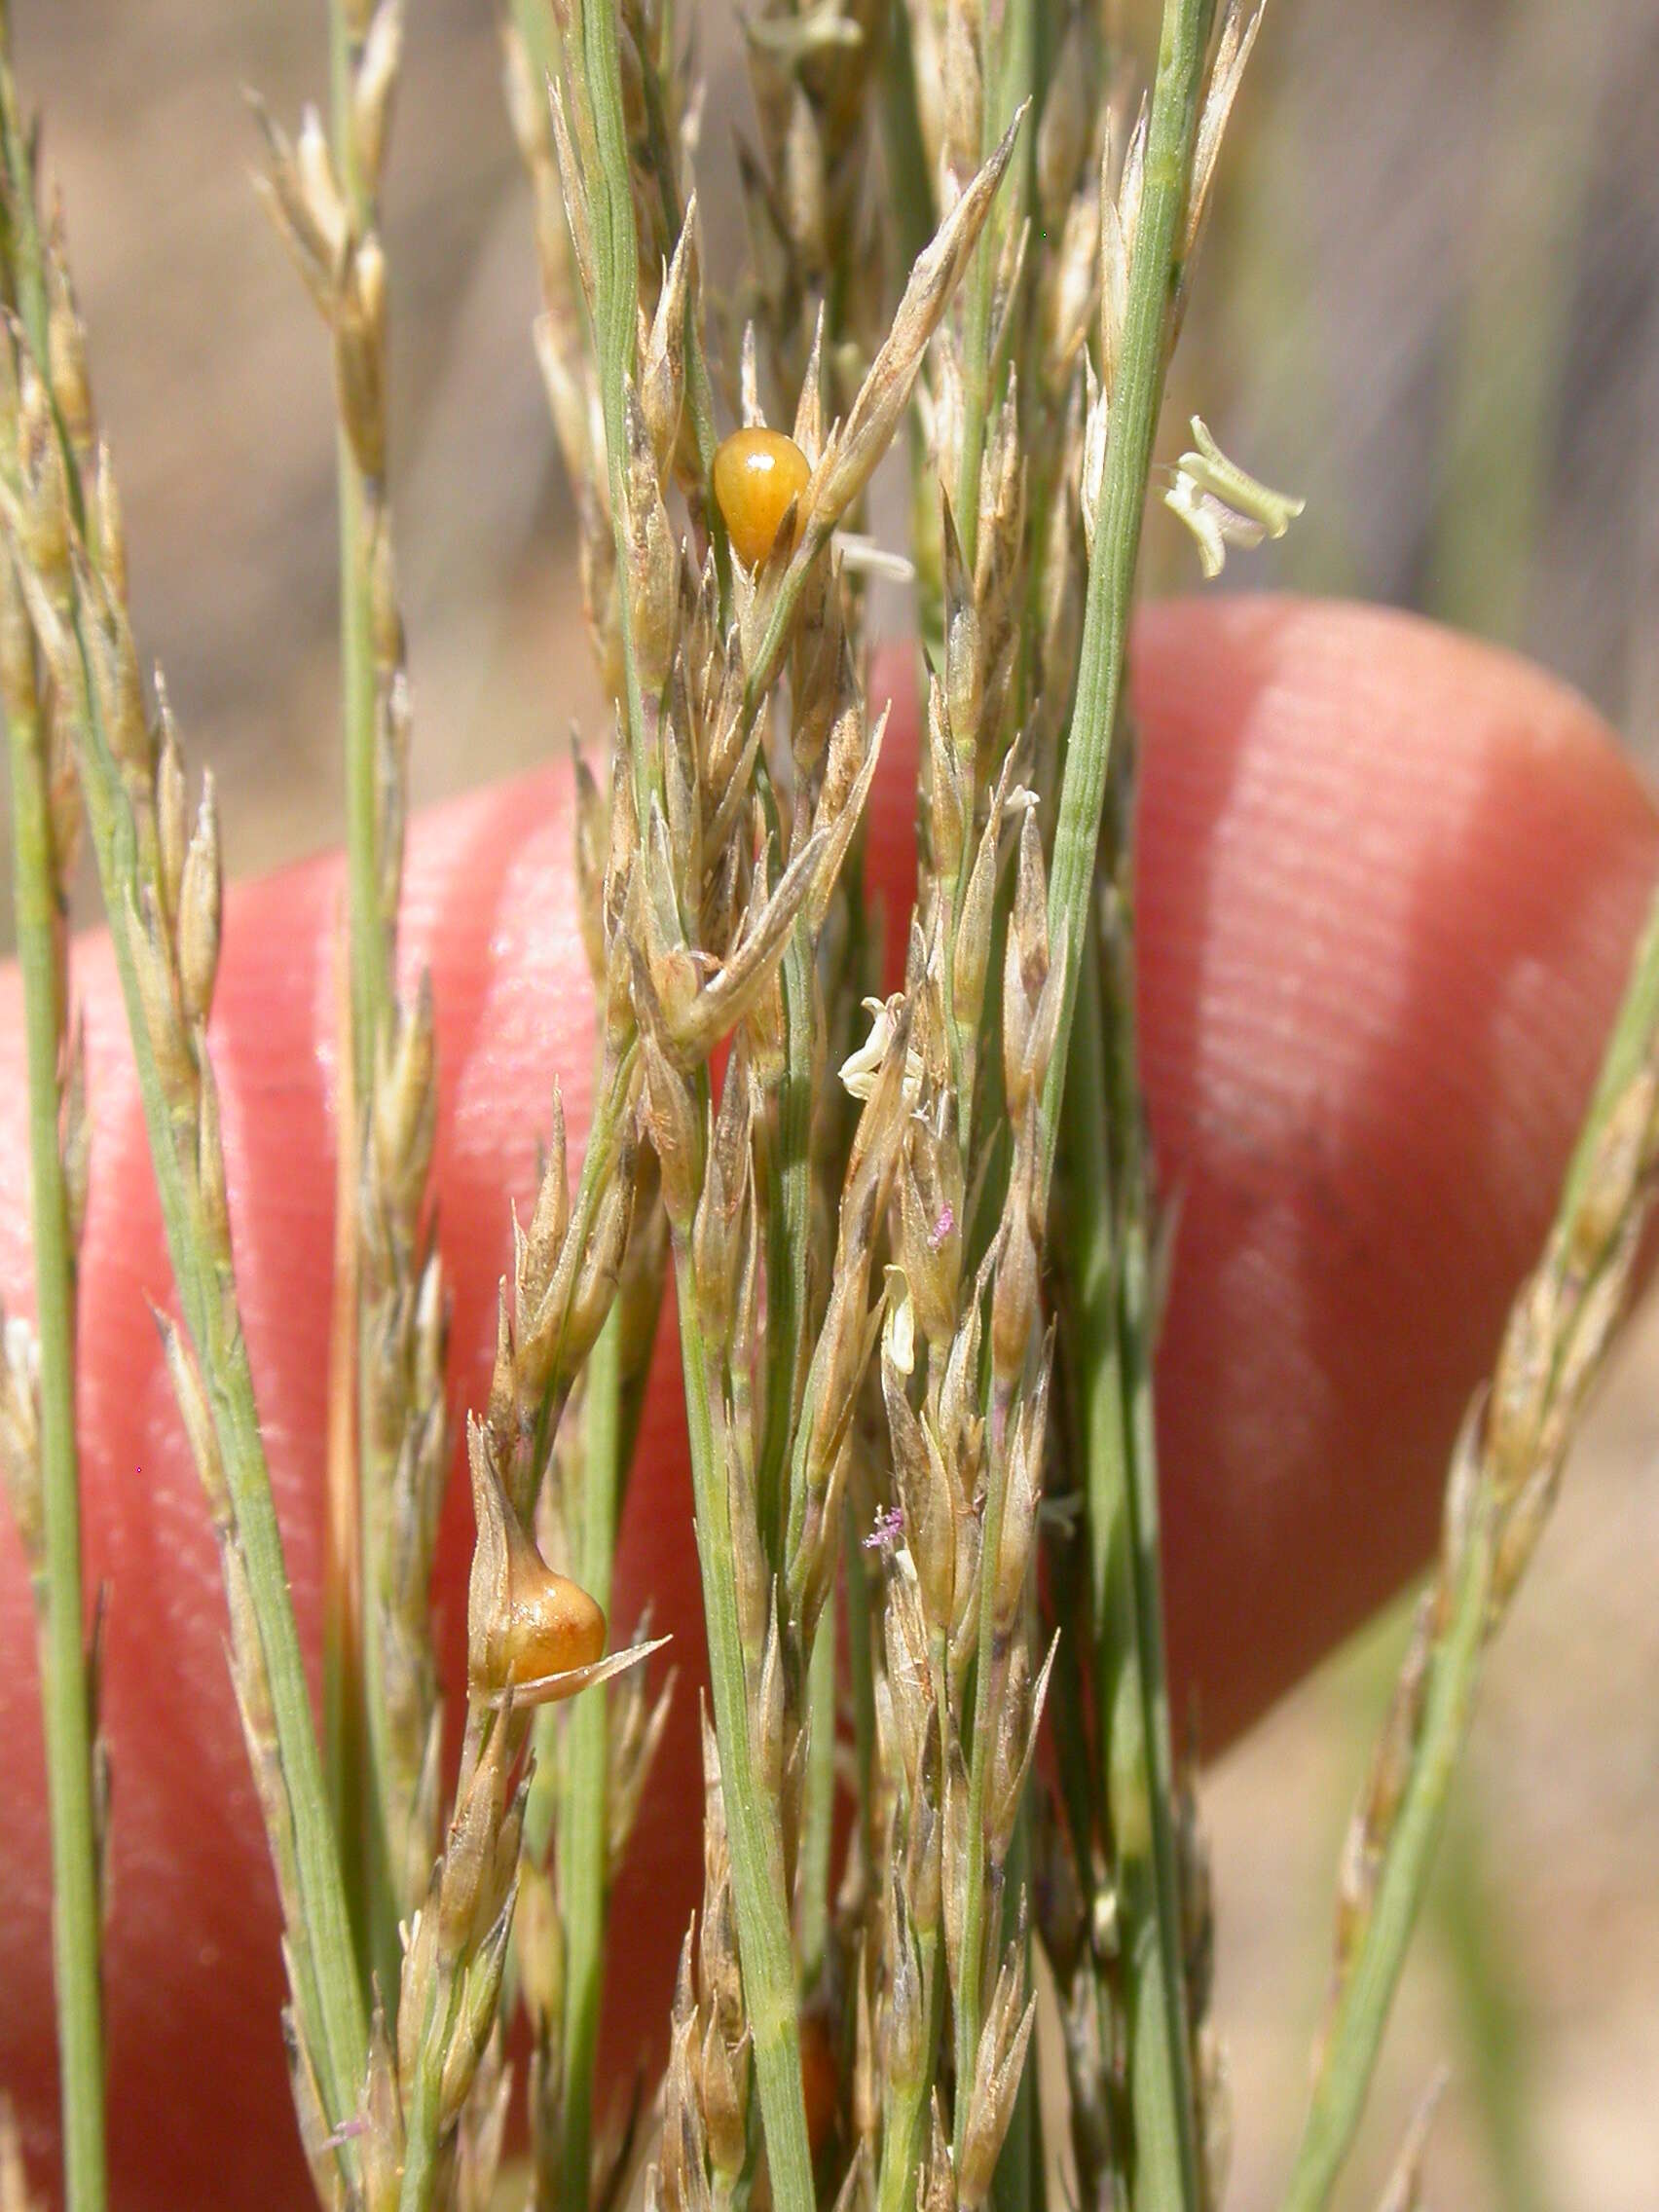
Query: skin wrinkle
x=1335 y=1287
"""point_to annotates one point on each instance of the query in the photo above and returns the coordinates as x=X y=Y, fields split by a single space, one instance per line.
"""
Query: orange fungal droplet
x=758 y=474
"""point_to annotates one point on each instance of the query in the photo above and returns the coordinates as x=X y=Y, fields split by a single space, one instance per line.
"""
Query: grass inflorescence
x=913 y=1236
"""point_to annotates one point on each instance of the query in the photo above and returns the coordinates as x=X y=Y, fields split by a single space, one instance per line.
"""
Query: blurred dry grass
x=1431 y=304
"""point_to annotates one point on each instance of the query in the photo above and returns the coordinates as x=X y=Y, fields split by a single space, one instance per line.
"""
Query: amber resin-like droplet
x=556 y=1628
x=758 y=475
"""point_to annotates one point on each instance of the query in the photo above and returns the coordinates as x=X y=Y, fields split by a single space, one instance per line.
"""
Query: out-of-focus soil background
x=1430 y=303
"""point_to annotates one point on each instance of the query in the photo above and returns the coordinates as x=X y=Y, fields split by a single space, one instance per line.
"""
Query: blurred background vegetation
x=1430 y=304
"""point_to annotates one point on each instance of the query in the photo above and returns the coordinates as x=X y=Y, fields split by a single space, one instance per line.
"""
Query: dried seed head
x=671 y=1123
x=963 y=98
x=950 y=790
x=18 y=680
x=539 y=1933
x=405 y=1105
x=577 y=212
x=479 y=1995
x=173 y=812
x=1069 y=296
x=1062 y=135
x=662 y=356
x=1016 y=1285
x=960 y=1843
x=997 y=2072
x=46 y=531
x=766 y=1712
x=905 y=2019
x=530 y=1631
x=1622 y=1160
x=601 y=1266
x=373 y=83
x=66 y=350
x=117 y=686
x=199 y=899
x=802 y=186
x=929 y=1500
x=1021 y=1497
x=636 y=1737
x=1019 y=1716
x=592 y=836
x=1522 y=1385
x=548 y=1222
x=175 y=1063
x=1236 y=37
x=19 y=1435
x=716 y=1238
x=963 y=675
x=192 y=1400
x=359 y=356
x=654 y=579
x=1034 y=1003
x=932 y=1202
x=972 y=955
x=723 y=2083
x=211 y=1187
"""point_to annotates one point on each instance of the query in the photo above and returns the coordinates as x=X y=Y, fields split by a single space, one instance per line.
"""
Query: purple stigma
x=887 y=1532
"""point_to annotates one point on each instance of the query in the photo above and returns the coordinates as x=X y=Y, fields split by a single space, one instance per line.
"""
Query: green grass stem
x=65 y=1710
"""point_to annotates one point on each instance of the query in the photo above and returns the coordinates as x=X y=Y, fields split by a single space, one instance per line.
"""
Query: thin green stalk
x=583 y=1796
x=355 y=1710
x=64 y=1703
x=757 y=1865
x=1122 y=1477
x=1356 y=2033
x=370 y=947
x=370 y=951
x=1109 y=1325
x=1468 y=1612
x=1135 y=400
x=65 y=1711
x=370 y=1015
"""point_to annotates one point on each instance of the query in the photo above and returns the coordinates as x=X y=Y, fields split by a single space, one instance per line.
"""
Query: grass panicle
x=914 y=1223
